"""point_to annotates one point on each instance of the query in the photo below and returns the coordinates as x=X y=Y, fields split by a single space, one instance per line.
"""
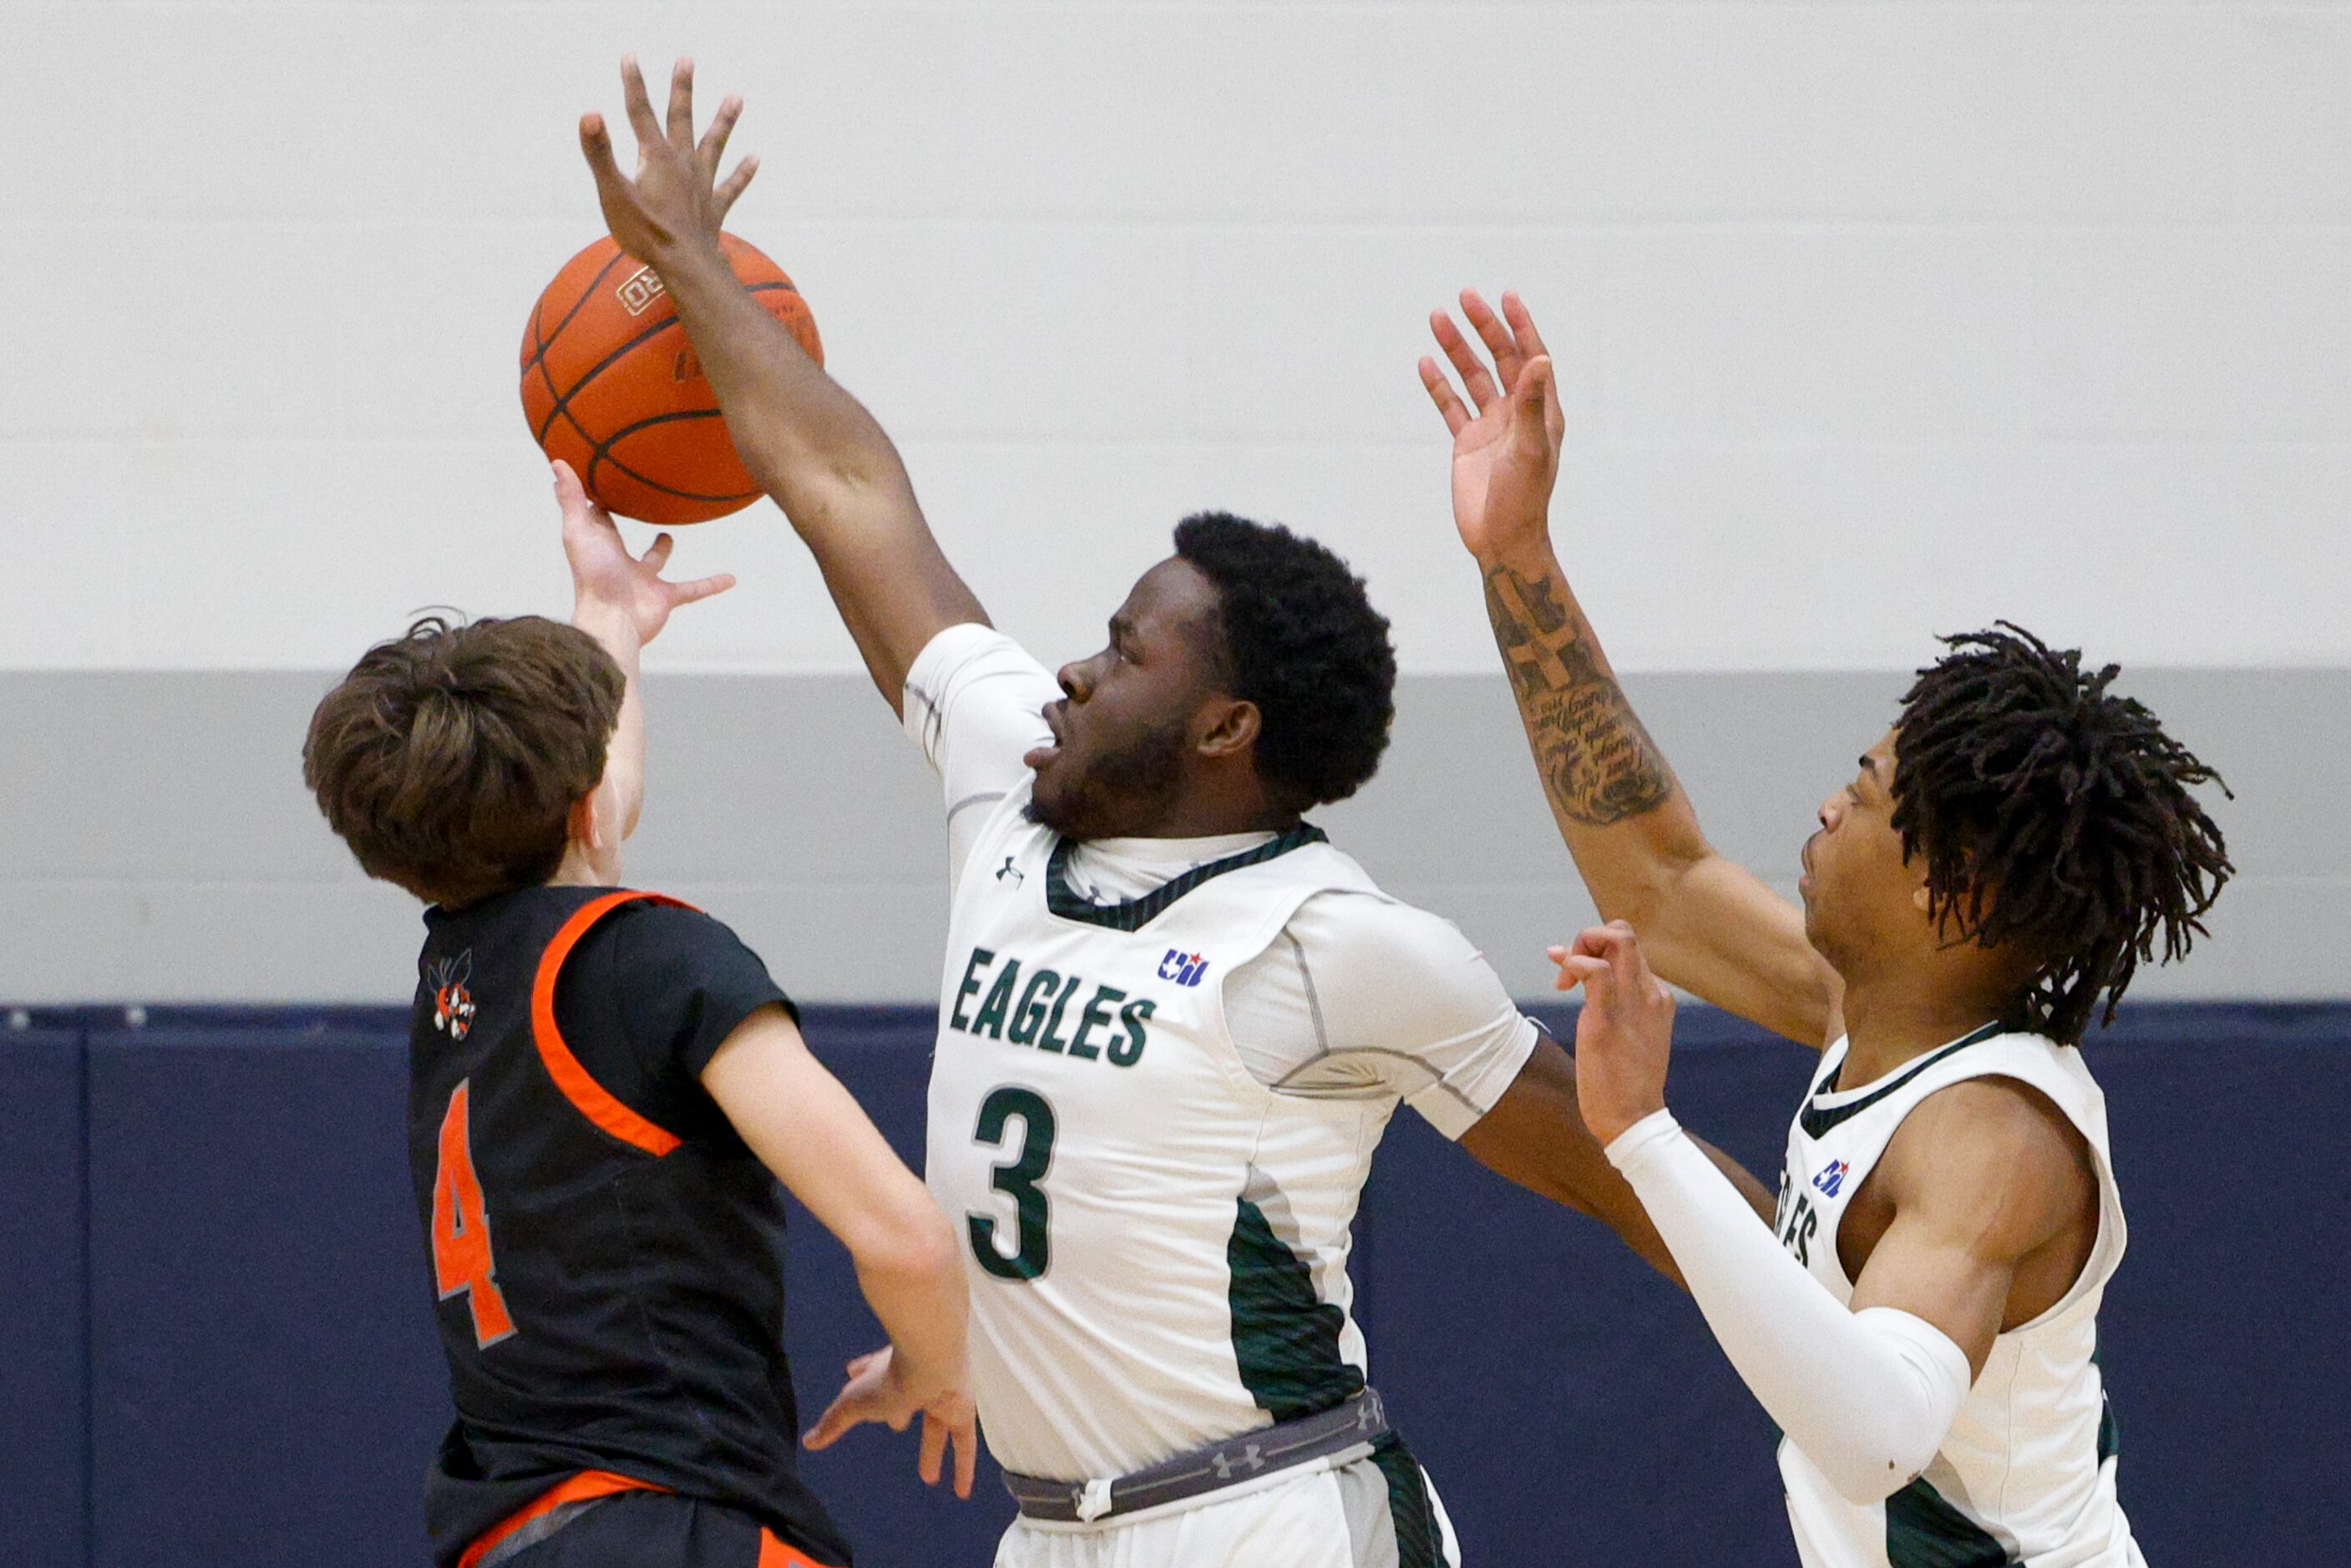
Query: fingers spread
x=657 y=554
x=735 y=183
x=838 y=1417
x=681 y=105
x=700 y=588
x=714 y=140
x=1441 y=393
x=1522 y=323
x=1495 y=336
x=1466 y=363
x=966 y=1451
x=934 y=1451
x=596 y=142
x=639 y=107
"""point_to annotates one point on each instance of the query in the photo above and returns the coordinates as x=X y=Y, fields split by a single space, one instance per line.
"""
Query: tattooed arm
x=1707 y=925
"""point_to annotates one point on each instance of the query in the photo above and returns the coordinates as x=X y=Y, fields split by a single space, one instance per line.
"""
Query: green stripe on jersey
x=1285 y=1336
x=1922 y=1531
x=1419 y=1543
x=1132 y=915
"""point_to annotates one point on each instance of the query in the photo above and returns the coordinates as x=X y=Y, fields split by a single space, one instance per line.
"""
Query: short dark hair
x=1301 y=640
x=449 y=759
x=2054 y=815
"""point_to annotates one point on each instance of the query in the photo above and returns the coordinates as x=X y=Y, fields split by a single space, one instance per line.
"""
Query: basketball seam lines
x=563 y=399
x=599 y=451
x=539 y=349
x=602 y=454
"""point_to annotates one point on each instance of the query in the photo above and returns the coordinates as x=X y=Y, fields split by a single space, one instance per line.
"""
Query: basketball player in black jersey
x=605 y=1088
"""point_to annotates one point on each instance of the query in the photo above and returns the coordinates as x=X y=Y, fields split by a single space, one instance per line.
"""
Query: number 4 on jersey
x=461 y=1229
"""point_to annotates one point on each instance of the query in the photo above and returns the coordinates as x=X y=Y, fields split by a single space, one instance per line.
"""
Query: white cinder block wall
x=1873 y=318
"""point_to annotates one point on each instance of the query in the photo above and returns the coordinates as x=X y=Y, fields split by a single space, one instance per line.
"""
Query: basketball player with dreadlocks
x=1921 y=1320
x=1175 y=1021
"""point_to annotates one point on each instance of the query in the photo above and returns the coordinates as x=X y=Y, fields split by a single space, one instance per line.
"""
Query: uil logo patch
x=452 y=1005
x=638 y=289
x=1183 y=968
x=1832 y=1177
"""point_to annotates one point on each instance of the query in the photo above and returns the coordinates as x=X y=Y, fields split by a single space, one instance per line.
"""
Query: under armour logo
x=1009 y=869
x=1252 y=1458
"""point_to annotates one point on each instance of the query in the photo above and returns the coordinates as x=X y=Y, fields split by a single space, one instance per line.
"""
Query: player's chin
x=1050 y=805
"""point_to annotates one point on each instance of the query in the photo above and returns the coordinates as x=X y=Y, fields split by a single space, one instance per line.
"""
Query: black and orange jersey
x=605 y=1250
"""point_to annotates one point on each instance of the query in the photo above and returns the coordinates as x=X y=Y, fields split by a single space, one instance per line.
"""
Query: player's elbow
x=1863 y=1472
x=1910 y=1382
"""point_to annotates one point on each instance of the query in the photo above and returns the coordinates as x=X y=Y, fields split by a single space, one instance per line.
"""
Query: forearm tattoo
x=1598 y=764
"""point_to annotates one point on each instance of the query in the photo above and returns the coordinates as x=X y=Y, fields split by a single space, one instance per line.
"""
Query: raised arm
x=623 y=601
x=808 y=443
x=1709 y=926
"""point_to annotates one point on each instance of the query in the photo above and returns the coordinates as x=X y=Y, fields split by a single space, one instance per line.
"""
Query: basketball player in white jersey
x=1921 y=1319
x=1175 y=1021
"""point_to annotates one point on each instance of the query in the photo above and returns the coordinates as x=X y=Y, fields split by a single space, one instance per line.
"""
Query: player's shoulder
x=1994 y=1152
x=1416 y=970
x=654 y=914
x=966 y=653
x=662 y=937
x=1357 y=912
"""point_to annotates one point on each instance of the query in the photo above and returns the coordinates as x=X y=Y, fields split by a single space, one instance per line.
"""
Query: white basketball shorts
x=1377 y=1513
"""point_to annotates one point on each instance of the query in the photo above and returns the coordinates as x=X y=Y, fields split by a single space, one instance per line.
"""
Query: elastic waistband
x=553 y=1508
x=1357 y=1424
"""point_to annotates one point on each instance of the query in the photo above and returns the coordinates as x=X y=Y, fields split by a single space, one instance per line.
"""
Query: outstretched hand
x=1625 y=1035
x=879 y=1390
x=676 y=196
x=610 y=583
x=1506 y=440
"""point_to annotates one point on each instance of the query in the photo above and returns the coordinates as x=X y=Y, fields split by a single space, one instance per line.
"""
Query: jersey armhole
x=2099 y=1266
x=587 y=1096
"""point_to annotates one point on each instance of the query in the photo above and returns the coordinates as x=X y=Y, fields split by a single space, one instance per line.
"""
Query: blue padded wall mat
x=266 y=1382
x=44 y=1329
x=261 y=1385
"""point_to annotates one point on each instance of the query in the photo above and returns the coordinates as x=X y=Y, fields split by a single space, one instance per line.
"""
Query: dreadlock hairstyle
x=2054 y=815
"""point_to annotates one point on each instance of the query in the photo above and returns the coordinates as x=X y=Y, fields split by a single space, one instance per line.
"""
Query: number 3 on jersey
x=1018 y=1181
x=461 y=1229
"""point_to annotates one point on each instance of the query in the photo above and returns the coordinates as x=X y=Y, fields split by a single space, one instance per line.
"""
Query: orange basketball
x=611 y=385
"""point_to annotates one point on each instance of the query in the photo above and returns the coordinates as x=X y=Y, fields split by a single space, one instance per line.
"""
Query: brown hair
x=449 y=758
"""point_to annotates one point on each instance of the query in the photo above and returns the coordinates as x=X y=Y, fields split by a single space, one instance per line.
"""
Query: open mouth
x=1037 y=756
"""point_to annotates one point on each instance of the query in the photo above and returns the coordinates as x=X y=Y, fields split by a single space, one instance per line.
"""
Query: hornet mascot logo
x=452 y=1005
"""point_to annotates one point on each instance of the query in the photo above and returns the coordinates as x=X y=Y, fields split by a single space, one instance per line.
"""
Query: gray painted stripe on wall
x=159 y=845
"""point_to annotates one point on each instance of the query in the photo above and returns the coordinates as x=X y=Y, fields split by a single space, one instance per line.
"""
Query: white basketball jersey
x=1157 y=1242
x=2026 y=1474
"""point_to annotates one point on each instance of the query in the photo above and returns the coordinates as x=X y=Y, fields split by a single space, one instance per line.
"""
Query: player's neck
x=1890 y=1024
x=1209 y=809
x=584 y=866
